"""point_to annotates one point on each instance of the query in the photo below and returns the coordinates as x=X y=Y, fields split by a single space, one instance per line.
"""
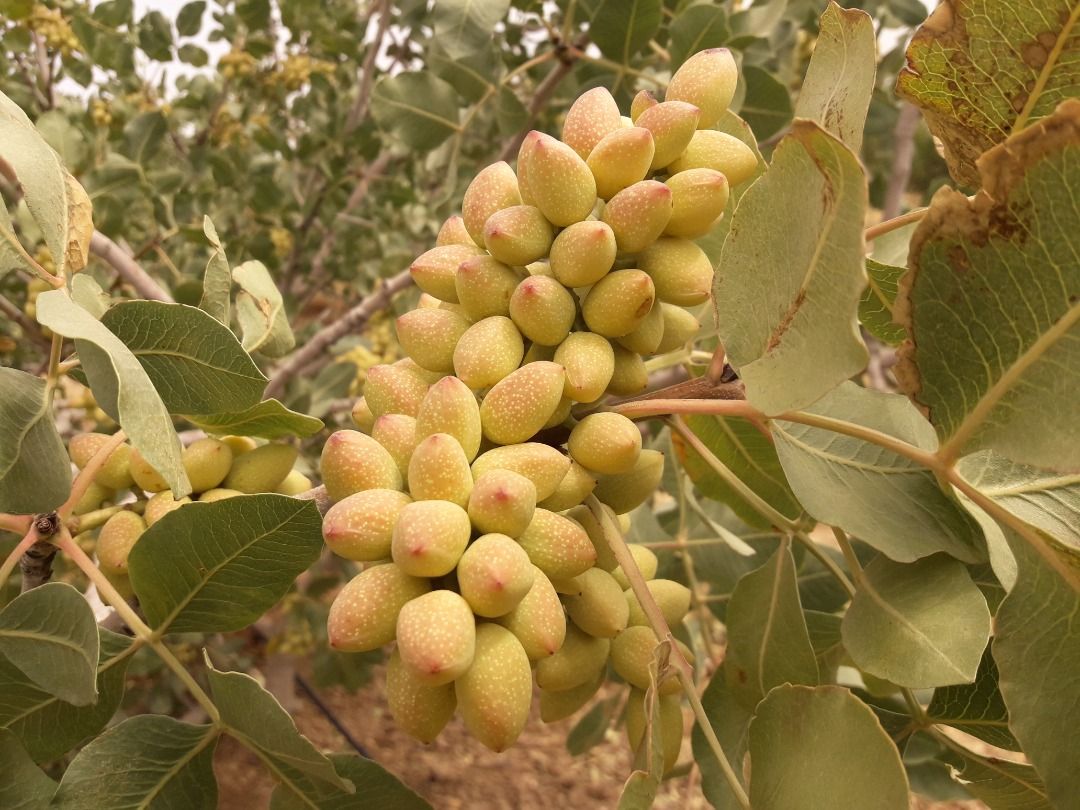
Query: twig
x=367 y=69
x=113 y=255
x=86 y=475
x=13 y=558
x=320 y=704
x=540 y=98
x=663 y=633
x=313 y=353
x=903 y=153
x=36 y=565
x=889 y=225
x=30 y=329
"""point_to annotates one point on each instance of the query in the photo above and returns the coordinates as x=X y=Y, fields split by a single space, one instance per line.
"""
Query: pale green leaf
x=730 y=719
x=1048 y=500
x=766 y=102
x=215 y=567
x=790 y=277
x=591 y=728
x=621 y=28
x=42 y=178
x=1037 y=651
x=35 y=473
x=920 y=625
x=749 y=454
x=463 y=26
x=992 y=303
x=196 y=364
x=189 y=20
x=217 y=280
x=255 y=718
x=87 y=293
x=1000 y=784
x=146 y=761
x=840 y=77
x=268 y=419
x=47 y=726
x=921 y=518
x=812 y=748
x=49 y=634
x=23 y=786
x=261 y=311
x=768 y=643
x=640 y=789
x=976 y=708
x=120 y=384
x=697 y=28
x=418 y=108
x=377 y=786
x=983 y=69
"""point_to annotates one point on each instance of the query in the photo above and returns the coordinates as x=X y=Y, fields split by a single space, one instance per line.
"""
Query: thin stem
x=918 y=714
x=142 y=631
x=18 y=524
x=54 y=366
x=827 y=561
x=613 y=65
x=711 y=541
x=13 y=558
x=898 y=446
x=889 y=225
x=755 y=501
x=86 y=475
x=849 y=555
x=663 y=633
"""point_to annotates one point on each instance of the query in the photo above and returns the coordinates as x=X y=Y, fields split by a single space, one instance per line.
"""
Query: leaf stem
x=54 y=366
x=663 y=633
x=13 y=558
x=18 y=524
x=577 y=53
x=141 y=629
x=850 y=557
x=732 y=480
x=889 y=225
x=827 y=561
x=86 y=475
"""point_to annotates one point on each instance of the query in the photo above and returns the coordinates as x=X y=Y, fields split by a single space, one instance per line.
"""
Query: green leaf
x=1048 y=500
x=268 y=420
x=219 y=566
x=510 y=113
x=992 y=303
x=746 y=452
x=875 y=308
x=193 y=55
x=921 y=518
x=802 y=739
x=189 y=20
x=977 y=708
x=639 y=791
x=155 y=36
x=87 y=293
x=379 y=788
x=146 y=761
x=827 y=639
x=470 y=75
x=418 y=108
x=261 y=311
x=1000 y=784
x=730 y=719
x=143 y=136
x=766 y=105
x=113 y=13
x=840 y=77
x=255 y=718
x=591 y=728
x=768 y=643
x=196 y=364
x=982 y=70
x=920 y=625
x=49 y=634
x=697 y=29
x=1037 y=651
x=50 y=194
x=621 y=28
x=24 y=786
x=796 y=337
x=47 y=726
x=217 y=280
x=66 y=138
x=463 y=26
x=120 y=384
x=35 y=472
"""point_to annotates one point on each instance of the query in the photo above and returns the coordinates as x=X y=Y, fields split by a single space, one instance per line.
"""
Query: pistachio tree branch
x=127 y=268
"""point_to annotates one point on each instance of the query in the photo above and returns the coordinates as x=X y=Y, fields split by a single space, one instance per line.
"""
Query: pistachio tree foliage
x=196 y=269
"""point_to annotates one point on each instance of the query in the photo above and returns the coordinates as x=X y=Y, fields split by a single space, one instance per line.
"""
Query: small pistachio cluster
x=216 y=468
x=482 y=561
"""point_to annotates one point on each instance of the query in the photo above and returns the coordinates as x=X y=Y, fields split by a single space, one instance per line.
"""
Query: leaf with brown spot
x=792 y=272
x=981 y=70
x=80 y=225
x=992 y=303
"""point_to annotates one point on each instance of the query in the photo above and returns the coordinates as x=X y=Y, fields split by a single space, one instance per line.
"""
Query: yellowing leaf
x=981 y=70
x=992 y=303
x=80 y=225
